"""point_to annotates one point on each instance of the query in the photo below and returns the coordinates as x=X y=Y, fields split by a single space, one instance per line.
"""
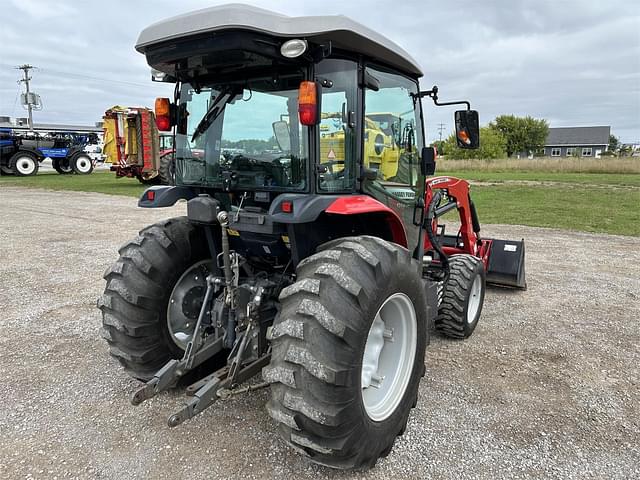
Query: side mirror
x=283 y=137
x=428 y=161
x=467 y=129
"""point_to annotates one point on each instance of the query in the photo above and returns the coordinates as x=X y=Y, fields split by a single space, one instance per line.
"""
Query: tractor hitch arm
x=215 y=386
x=198 y=350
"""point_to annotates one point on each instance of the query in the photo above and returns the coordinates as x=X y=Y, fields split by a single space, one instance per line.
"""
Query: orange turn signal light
x=162 y=106
x=163 y=114
x=308 y=103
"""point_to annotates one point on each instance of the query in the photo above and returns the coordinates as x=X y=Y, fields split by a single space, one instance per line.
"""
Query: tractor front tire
x=348 y=352
x=462 y=297
x=61 y=165
x=81 y=163
x=139 y=285
x=25 y=164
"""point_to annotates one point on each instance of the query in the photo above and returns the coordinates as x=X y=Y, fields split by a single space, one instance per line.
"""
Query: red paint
x=359 y=204
x=471 y=243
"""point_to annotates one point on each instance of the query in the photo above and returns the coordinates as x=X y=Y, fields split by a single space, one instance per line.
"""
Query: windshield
x=242 y=137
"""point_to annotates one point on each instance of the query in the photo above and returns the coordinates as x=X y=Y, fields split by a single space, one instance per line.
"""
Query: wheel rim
x=185 y=302
x=389 y=355
x=83 y=164
x=25 y=165
x=474 y=299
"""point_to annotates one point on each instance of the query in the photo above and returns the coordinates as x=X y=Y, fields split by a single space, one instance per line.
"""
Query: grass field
x=101 y=182
x=591 y=202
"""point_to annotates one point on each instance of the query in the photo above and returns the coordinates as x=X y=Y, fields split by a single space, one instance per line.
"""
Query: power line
x=83 y=76
x=441 y=129
x=15 y=100
x=97 y=79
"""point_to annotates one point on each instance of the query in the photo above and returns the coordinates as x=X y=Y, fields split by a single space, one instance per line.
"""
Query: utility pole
x=440 y=129
x=25 y=68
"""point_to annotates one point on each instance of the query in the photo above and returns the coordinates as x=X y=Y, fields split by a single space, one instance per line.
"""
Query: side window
x=337 y=164
x=393 y=134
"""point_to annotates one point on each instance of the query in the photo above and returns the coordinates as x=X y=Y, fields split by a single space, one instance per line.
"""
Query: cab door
x=336 y=151
x=392 y=142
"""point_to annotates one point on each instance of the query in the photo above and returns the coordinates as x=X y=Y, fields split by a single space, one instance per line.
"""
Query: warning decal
x=331 y=155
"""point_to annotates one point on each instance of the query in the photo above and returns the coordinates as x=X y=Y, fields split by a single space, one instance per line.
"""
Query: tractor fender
x=307 y=208
x=75 y=150
x=33 y=150
x=11 y=161
x=160 y=196
x=361 y=204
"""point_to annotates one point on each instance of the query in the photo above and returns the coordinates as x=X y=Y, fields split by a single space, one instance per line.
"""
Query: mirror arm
x=433 y=94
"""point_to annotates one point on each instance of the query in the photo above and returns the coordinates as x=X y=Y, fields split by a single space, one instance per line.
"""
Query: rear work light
x=163 y=114
x=293 y=48
x=308 y=103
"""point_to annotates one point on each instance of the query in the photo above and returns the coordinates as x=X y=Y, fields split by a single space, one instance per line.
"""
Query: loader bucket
x=506 y=264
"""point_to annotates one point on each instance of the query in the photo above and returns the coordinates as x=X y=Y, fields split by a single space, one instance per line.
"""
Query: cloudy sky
x=572 y=62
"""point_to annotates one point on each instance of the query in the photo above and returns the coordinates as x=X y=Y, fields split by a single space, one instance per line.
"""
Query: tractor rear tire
x=81 y=163
x=25 y=164
x=135 y=300
x=167 y=170
x=462 y=297
x=61 y=165
x=346 y=298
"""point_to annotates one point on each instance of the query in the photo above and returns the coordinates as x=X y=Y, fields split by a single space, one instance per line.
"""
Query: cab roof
x=343 y=32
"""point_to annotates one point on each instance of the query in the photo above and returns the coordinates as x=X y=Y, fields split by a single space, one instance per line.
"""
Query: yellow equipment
x=131 y=143
x=382 y=147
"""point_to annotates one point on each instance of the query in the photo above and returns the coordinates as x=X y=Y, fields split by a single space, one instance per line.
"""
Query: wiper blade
x=225 y=96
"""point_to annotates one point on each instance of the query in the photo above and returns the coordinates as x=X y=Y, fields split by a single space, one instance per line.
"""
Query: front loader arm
x=456 y=193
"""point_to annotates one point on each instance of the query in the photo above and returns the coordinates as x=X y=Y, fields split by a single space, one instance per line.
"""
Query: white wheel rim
x=389 y=355
x=83 y=164
x=25 y=165
x=474 y=299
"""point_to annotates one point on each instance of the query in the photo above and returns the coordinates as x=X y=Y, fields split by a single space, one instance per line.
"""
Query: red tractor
x=311 y=251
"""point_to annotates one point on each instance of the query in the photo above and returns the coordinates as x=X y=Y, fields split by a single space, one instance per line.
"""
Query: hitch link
x=198 y=350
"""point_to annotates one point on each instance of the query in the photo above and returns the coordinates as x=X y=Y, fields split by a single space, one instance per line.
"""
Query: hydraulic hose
x=431 y=214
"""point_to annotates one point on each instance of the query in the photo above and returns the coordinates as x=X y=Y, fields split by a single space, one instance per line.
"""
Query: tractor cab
x=270 y=110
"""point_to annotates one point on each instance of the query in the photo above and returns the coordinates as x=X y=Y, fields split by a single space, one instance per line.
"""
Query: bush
x=492 y=145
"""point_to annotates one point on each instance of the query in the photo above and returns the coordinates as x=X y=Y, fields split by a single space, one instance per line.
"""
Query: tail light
x=163 y=114
x=287 y=206
x=308 y=103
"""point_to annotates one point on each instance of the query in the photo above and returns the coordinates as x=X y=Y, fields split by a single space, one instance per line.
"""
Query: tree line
x=505 y=136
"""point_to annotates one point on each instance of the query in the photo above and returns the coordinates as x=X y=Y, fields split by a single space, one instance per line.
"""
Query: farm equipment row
x=22 y=153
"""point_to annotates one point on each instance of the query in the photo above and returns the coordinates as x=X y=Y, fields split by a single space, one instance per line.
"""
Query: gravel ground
x=548 y=385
